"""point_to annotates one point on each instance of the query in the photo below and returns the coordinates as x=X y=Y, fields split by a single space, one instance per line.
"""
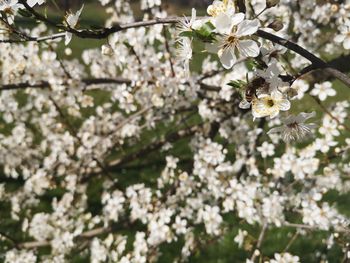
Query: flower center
x=8 y=10
x=270 y=103
x=231 y=41
x=334 y=8
x=292 y=125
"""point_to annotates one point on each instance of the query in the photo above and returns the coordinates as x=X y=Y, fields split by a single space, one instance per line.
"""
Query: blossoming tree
x=177 y=135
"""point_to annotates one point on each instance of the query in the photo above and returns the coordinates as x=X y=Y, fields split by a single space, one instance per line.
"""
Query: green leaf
x=187 y=34
x=206 y=30
x=237 y=84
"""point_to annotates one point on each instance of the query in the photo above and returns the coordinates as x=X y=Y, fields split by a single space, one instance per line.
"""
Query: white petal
x=227 y=57
x=194 y=15
x=68 y=38
x=284 y=105
x=322 y=96
x=244 y=104
x=72 y=19
x=346 y=43
x=31 y=3
x=276 y=95
x=339 y=38
x=247 y=27
x=311 y=125
x=237 y=18
x=331 y=92
x=275 y=130
x=248 y=48
x=223 y=23
x=274 y=114
x=304 y=116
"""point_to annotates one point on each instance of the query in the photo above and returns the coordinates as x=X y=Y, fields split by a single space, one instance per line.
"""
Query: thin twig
x=330 y=114
x=260 y=240
x=291 y=241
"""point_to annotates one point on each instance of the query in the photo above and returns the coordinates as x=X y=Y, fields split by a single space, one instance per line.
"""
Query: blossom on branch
x=232 y=41
x=72 y=21
x=294 y=127
x=269 y=105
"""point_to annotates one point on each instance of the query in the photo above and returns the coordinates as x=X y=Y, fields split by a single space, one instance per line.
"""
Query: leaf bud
x=276 y=25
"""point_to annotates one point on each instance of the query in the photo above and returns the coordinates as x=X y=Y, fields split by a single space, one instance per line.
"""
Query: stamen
x=270 y=103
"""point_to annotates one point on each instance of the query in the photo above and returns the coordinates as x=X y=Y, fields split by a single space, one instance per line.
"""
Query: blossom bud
x=272 y=3
x=68 y=51
x=107 y=50
x=276 y=25
x=292 y=93
x=334 y=8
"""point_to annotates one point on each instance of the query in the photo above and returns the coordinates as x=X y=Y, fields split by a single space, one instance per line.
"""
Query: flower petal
x=284 y=105
x=346 y=43
x=223 y=23
x=339 y=38
x=303 y=116
x=276 y=130
x=237 y=18
x=227 y=57
x=247 y=27
x=68 y=38
x=311 y=125
x=31 y=3
x=244 y=104
x=248 y=48
x=194 y=15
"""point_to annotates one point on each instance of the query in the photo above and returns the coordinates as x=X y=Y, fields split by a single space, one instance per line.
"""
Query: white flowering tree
x=215 y=138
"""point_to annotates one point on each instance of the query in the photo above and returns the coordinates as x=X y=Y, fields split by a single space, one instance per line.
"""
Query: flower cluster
x=170 y=138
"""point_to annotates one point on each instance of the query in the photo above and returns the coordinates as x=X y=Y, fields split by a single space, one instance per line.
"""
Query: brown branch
x=105 y=32
x=294 y=47
x=88 y=234
x=89 y=82
x=291 y=241
x=45 y=84
x=34 y=39
x=153 y=146
x=317 y=63
x=167 y=48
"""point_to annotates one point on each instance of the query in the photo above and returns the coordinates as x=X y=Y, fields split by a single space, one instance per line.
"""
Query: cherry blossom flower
x=72 y=21
x=269 y=105
x=323 y=90
x=344 y=36
x=232 y=40
x=218 y=7
x=10 y=8
x=266 y=149
x=184 y=53
x=294 y=127
x=285 y=258
x=190 y=24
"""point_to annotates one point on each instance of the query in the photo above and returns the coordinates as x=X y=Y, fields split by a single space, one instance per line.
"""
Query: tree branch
x=88 y=234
